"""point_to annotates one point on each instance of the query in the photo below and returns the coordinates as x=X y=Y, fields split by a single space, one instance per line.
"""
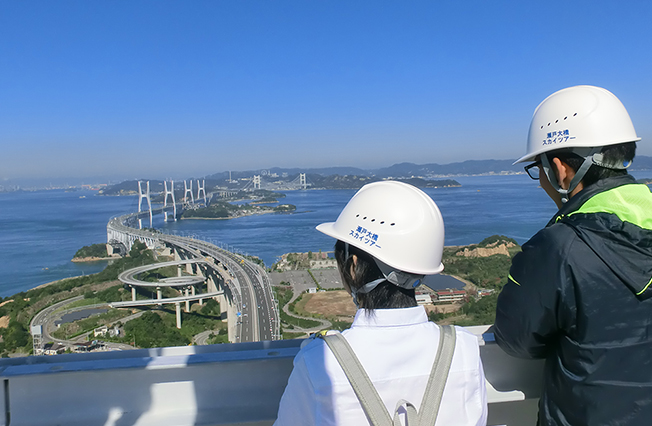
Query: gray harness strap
x=367 y=394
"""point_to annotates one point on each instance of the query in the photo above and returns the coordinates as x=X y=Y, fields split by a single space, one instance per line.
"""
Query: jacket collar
x=590 y=191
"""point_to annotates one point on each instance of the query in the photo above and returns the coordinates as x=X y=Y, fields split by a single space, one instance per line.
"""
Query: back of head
x=397 y=232
x=365 y=270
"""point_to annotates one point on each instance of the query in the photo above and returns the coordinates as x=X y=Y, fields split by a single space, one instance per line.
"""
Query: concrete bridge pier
x=176 y=259
x=177 y=306
x=188 y=301
x=133 y=293
x=224 y=308
x=193 y=292
x=158 y=295
x=210 y=284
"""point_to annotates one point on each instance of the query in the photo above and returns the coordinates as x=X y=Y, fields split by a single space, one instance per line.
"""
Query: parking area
x=302 y=281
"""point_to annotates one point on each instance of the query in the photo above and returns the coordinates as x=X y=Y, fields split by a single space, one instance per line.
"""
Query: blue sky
x=156 y=89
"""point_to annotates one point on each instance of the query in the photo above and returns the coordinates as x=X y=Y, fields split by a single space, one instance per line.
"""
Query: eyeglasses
x=532 y=170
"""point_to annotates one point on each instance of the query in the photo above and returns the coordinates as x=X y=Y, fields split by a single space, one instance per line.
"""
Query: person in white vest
x=393 y=366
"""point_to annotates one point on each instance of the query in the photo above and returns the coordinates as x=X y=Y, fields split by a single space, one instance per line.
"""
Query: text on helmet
x=556 y=137
x=363 y=235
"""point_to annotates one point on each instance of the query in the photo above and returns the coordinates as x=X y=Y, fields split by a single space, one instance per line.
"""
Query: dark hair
x=385 y=296
x=613 y=154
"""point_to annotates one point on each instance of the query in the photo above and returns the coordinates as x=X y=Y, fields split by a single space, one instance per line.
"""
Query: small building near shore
x=323 y=263
x=450 y=295
x=423 y=299
x=485 y=292
x=53 y=349
x=101 y=331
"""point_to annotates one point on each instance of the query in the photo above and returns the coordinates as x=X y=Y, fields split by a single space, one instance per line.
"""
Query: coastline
x=90 y=259
x=225 y=218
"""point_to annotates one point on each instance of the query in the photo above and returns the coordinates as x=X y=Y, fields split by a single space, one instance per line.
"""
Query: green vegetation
x=225 y=210
x=298 y=322
x=94 y=250
x=157 y=327
x=312 y=275
x=289 y=335
x=221 y=337
x=150 y=331
x=482 y=311
x=26 y=304
x=489 y=271
x=282 y=293
x=285 y=208
x=15 y=337
x=73 y=329
x=218 y=210
x=340 y=325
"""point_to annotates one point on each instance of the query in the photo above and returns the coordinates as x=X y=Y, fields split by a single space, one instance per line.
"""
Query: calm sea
x=41 y=231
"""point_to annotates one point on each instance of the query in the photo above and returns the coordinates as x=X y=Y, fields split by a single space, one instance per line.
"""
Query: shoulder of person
x=466 y=337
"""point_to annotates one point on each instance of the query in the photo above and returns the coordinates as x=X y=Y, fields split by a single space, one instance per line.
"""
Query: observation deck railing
x=229 y=384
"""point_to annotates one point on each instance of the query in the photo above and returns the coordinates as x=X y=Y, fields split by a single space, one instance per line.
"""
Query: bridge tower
x=201 y=189
x=188 y=190
x=144 y=194
x=169 y=192
x=37 y=339
x=256 y=181
x=302 y=181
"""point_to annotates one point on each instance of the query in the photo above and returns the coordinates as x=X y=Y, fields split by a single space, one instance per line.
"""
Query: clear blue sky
x=155 y=89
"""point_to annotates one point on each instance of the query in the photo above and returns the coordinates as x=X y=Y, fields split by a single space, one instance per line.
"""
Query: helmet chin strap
x=589 y=160
x=398 y=278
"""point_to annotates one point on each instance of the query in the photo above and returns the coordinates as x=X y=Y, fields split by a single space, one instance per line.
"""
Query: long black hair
x=385 y=296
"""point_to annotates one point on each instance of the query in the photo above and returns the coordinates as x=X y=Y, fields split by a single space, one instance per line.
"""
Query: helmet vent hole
x=364 y=218
x=548 y=124
x=574 y=114
x=392 y=224
x=382 y=222
x=373 y=220
x=556 y=121
x=542 y=127
x=565 y=118
x=357 y=215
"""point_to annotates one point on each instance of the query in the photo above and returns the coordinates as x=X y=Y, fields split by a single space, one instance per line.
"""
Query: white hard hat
x=394 y=222
x=578 y=117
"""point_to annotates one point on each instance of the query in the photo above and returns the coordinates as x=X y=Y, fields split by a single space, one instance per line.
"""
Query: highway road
x=45 y=318
x=250 y=285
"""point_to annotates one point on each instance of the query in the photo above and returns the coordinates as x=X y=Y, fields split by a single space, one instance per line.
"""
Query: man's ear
x=563 y=172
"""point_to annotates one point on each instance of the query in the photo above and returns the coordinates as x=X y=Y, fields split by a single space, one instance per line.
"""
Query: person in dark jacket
x=579 y=293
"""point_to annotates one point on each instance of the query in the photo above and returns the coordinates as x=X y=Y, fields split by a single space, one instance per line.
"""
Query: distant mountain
x=324 y=171
x=642 y=162
x=353 y=177
x=470 y=167
x=357 y=182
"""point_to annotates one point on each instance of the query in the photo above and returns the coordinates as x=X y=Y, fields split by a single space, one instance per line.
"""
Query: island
x=225 y=210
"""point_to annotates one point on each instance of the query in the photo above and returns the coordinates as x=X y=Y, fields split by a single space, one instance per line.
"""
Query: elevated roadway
x=249 y=289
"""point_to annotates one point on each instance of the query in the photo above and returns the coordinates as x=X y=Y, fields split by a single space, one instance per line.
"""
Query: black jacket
x=578 y=295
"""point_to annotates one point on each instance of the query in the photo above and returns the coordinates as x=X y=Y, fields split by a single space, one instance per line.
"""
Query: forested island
x=225 y=210
x=91 y=253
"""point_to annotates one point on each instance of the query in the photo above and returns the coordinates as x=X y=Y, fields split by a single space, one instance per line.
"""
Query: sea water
x=41 y=231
